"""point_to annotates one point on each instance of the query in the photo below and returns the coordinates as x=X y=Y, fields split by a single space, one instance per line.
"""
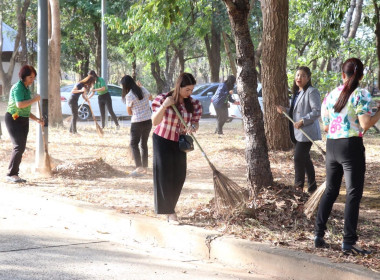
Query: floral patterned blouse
x=345 y=124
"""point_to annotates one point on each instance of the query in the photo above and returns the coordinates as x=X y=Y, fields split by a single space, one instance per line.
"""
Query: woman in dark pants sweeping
x=104 y=98
x=169 y=163
x=137 y=100
x=17 y=119
x=346 y=115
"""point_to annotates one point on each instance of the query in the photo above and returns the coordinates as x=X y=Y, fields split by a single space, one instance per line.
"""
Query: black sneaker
x=319 y=242
x=312 y=188
x=349 y=249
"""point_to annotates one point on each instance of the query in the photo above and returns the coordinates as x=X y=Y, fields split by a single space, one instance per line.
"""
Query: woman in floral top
x=346 y=115
x=169 y=163
x=17 y=119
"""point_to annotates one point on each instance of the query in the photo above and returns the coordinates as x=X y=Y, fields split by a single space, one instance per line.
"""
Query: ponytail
x=353 y=68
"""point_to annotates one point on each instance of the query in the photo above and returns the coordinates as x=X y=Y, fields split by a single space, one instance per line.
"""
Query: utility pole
x=42 y=78
x=104 y=65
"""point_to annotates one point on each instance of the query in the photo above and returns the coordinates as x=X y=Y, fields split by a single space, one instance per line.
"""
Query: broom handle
x=304 y=133
x=92 y=113
x=42 y=128
x=191 y=134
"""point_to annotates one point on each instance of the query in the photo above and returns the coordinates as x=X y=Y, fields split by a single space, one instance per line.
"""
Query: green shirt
x=19 y=92
x=99 y=84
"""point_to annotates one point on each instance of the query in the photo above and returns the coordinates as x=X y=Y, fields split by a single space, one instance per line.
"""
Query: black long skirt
x=169 y=174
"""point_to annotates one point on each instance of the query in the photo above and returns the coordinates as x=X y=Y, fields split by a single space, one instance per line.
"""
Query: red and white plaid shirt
x=171 y=127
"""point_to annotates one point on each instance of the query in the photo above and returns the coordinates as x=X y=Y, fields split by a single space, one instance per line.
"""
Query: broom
x=228 y=194
x=47 y=161
x=312 y=204
x=99 y=130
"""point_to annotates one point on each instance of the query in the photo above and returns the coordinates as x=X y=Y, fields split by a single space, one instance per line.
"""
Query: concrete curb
x=197 y=242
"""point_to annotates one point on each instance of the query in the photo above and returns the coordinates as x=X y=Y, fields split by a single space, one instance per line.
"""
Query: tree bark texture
x=55 y=110
x=357 y=18
x=377 y=32
x=273 y=72
x=98 y=49
x=21 y=23
x=350 y=12
x=256 y=152
x=213 y=52
x=156 y=73
x=229 y=53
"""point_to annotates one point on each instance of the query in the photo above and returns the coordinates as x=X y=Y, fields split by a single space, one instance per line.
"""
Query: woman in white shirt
x=137 y=101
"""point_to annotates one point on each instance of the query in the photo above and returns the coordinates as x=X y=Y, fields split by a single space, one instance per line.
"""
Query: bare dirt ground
x=97 y=170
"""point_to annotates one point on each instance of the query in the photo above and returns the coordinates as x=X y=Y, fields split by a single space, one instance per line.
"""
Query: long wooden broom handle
x=191 y=134
x=304 y=133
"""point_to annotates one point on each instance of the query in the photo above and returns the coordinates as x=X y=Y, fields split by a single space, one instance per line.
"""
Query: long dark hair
x=92 y=73
x=88 y=81
x=184 y=79
x=353 y=68
x=230 y=82
x=295 y=88
x=128 y=84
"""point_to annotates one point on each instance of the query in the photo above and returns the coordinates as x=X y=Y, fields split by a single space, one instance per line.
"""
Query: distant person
x=346 y=115
x=82 y=87
x=137 y=100
x=305 y=110
x=17 y=119
x=220 y=100
x=169 y=162
x=104 y=98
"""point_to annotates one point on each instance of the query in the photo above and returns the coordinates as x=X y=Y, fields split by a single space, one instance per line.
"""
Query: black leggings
x=73 y=103
x=346 y=157
x=139 y=135
x=18 y=131
x=105 y=100
x=169 y=173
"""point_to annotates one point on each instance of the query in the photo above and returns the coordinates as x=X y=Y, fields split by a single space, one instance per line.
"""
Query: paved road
x=34 y=245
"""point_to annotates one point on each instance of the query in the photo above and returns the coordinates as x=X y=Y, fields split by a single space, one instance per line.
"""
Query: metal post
x=104 y=66
x=42 y=78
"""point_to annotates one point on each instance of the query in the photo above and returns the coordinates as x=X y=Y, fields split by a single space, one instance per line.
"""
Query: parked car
x=84 y=113
x=234 y=111
x=203 y=93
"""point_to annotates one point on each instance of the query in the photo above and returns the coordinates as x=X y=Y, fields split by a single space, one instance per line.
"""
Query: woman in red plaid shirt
x=169 y=163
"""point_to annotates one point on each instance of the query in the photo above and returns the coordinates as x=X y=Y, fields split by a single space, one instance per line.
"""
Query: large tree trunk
x=98 y=49
x=156 y=73
x=22 y=30
x=273 y=76
x=213 y=52
x=229 y=53
x=358 y=16
x=377 y=32
x=258 y=166
x=55 y=110
x=6 y=77
x=171 y=60
x=350 y=12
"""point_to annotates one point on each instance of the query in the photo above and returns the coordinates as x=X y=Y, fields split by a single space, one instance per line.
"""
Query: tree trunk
x=170 y=68
x=55 y=110
x=213 y=52
x=98 y=50
x=377 y=32
x=6 y=77
x=323 y=65
x=22 y=30
x=349 y=18
x=256 y=153
x=229 y=54
x=156 y=73
x=273 y=76
x=134 y=67
x=356 y=22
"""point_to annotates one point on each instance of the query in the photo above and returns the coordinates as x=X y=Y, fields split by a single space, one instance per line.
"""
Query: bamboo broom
x=47 y=161
x=312 y=203
x=99 y=130
x=228 y=194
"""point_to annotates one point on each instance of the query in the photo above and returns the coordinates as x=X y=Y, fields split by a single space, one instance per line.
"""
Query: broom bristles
x=99 y=130
x=228 y=194
x=312 y=204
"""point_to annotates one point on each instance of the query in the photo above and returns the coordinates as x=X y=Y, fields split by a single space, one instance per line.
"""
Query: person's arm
x=26 y=103
x=159 y=113
x=40 y=121
x=75 y=90
x=129 y=110
x=367 y=121
x=196 y=116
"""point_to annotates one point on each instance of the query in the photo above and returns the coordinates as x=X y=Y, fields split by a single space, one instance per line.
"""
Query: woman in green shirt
x=104 y=98
x=17 y=119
